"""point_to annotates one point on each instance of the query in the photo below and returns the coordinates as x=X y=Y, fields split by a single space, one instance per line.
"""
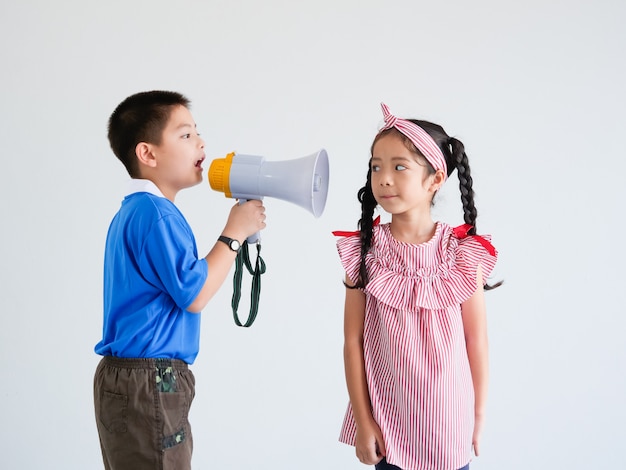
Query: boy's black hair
x=454 y=153
x=140 y=118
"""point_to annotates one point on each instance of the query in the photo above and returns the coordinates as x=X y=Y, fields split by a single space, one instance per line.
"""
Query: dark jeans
x=383 y=465
x=141 y=408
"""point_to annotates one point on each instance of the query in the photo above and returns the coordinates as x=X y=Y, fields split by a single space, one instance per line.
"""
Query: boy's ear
x=145 y=155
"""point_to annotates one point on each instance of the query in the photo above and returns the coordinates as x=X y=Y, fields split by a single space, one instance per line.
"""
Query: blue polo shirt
x=151 y=275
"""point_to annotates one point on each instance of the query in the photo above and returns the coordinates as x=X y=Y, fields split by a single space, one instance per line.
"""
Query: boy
x=155 y=286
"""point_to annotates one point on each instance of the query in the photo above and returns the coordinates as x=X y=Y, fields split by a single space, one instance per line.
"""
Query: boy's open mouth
x=199 y=162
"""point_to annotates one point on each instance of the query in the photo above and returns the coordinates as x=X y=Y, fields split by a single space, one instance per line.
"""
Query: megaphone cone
x=302 y=181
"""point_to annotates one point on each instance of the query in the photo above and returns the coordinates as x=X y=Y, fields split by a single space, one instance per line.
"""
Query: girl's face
x=400 y=179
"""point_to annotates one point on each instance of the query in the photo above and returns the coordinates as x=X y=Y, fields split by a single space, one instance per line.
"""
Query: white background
x=534 y=89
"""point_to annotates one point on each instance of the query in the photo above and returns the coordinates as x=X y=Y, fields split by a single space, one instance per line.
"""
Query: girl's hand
x=478 y=429
x=370 y=447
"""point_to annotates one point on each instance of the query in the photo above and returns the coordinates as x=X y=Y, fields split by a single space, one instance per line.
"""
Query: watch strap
x=229 y=242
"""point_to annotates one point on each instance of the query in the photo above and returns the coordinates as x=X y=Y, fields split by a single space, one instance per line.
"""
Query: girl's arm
x=475 y=327
x=370 y=448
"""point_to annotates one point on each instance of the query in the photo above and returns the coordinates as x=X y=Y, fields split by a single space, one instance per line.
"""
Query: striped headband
x=419 y=137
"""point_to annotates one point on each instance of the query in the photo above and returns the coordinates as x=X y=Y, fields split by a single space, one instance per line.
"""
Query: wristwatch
x=233 y=244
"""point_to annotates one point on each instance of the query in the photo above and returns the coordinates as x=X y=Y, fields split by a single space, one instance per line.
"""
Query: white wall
x=535 y=89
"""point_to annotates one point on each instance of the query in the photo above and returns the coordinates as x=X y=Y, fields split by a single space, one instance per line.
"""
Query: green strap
x=243 y=257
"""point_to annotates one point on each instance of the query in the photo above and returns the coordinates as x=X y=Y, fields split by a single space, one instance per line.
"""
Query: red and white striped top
x=416 y=362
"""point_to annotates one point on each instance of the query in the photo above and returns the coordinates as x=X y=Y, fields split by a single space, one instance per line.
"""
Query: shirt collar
x=136 y=185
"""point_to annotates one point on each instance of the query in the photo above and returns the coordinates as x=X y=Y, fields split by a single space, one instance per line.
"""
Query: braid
x=470 y=213
x=366 y=223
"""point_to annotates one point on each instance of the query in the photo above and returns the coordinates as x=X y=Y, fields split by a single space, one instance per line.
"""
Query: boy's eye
x=188 y=136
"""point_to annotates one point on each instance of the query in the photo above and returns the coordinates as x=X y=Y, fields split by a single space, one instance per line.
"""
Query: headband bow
x=419 y=137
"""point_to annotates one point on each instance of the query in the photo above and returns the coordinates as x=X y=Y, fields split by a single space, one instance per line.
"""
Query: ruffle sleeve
x=466 y=255
x=349 y=248
x=471 y=253
x=449 y=281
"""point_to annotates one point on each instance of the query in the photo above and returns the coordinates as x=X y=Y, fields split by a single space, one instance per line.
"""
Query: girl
x=415 y=326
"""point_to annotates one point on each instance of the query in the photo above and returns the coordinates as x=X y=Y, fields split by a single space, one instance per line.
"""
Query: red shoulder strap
x=340 y=233
x=462 y=232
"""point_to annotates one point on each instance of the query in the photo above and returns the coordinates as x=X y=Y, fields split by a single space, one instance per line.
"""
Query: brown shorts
x=142 y=408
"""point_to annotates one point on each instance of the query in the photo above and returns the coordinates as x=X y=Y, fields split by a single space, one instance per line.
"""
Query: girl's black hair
x=456 y=158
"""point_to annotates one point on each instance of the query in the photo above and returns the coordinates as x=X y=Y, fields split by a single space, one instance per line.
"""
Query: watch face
x=233 y=244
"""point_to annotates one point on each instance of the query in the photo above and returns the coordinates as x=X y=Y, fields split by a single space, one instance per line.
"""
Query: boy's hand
x=245 y=219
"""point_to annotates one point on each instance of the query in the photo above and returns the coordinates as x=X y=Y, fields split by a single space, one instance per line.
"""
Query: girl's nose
x=385 y=180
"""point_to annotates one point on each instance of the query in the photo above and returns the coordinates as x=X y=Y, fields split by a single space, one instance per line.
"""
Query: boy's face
x=180 y=154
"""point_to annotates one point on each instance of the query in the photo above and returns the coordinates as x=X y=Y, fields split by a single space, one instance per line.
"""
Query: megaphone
x=302 y=181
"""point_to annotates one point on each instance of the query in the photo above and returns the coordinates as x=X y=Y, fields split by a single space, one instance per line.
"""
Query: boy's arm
x=243 y=220
x=370 y=447
x=475 y=328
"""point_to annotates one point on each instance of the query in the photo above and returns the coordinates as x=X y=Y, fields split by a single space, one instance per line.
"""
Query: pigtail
x=459 y=156
x=470 y=214
x=366 y=227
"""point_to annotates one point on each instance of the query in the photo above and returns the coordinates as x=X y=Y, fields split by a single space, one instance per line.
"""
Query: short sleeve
x=171 y=259
x=471 y=253
x=349 y=249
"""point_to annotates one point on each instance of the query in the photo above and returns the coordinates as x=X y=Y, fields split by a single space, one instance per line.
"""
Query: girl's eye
x=186 y=136
x=375 y=168
x=400 y=167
